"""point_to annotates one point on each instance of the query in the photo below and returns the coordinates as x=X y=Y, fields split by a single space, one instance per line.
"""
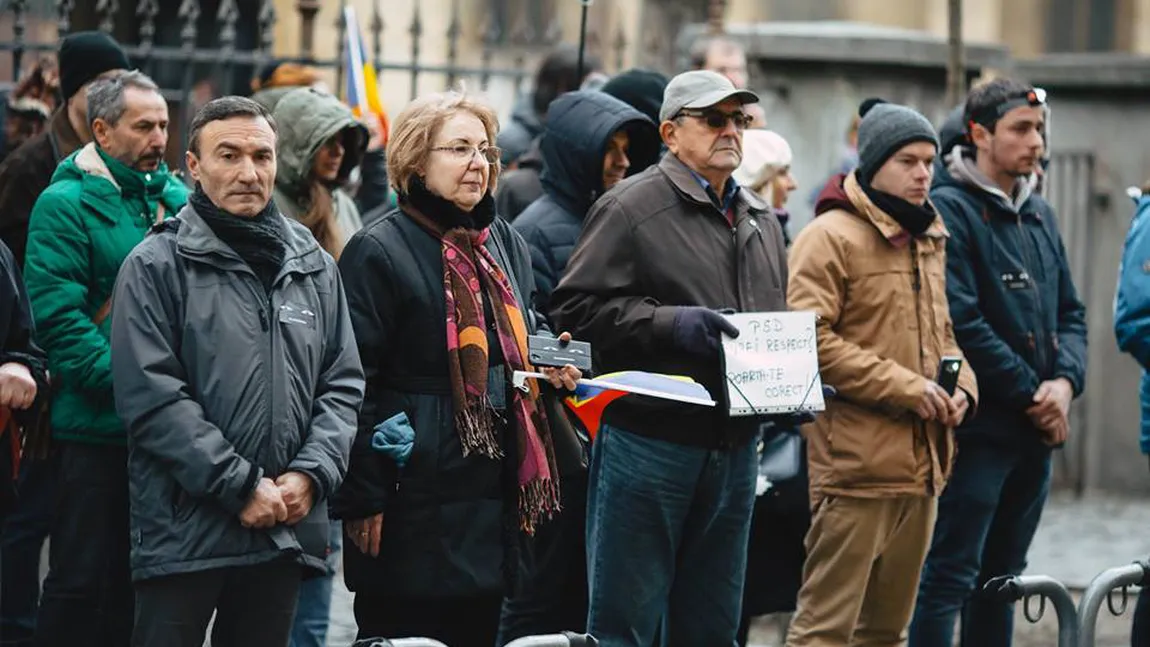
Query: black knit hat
x=86 y=55
x=639 y=88
x=885 y=128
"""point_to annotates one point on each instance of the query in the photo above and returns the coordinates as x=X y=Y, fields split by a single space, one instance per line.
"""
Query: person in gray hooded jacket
x=238 y=379
x=318 y=144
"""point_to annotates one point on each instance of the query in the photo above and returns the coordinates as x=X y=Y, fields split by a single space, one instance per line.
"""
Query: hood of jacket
x=961 y=170
x=833 y=196
x=270 y=97
x=306 y=119
x=579 y=127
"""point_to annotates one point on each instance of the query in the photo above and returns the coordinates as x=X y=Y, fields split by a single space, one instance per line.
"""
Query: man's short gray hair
x=106 y=96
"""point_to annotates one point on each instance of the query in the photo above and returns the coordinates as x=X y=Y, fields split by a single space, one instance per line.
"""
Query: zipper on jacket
x=264 y=303
x=1024 y=247
x=735 y=250
x=916 y=286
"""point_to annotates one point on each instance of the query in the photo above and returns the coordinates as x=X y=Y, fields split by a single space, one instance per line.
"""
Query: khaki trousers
x=864 y=558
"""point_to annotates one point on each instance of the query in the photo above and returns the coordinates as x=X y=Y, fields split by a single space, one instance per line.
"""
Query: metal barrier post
x=1012 y=588
x=1101 y=588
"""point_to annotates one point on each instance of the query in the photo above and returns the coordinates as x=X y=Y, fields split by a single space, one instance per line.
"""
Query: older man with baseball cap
x=662 y=253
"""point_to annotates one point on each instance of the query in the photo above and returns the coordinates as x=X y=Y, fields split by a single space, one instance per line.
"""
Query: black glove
x=697 y=330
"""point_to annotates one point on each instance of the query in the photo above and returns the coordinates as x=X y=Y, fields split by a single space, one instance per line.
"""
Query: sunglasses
x=717 y=119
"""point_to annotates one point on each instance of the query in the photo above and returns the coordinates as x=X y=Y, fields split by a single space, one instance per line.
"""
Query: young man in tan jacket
x=872 y=265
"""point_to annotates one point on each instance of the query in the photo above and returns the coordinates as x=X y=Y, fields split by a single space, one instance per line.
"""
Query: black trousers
x=254 y=605
x=87 y=598
x=458 y=622
x=552 y=595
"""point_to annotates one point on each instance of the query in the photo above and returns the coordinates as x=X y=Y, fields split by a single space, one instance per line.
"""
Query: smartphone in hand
x=948 y=370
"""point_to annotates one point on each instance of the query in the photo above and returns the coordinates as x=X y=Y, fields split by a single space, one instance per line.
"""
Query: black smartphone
x=548 y=351
x=948 y=369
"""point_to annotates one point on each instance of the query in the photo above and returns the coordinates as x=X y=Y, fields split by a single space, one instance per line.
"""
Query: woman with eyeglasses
x=450 y=460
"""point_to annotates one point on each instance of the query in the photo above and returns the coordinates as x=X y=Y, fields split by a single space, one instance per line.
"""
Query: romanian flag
x=362 y=89
x=589 y=402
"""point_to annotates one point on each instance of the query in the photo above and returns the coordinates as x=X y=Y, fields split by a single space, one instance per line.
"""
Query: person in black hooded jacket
x=592 y=141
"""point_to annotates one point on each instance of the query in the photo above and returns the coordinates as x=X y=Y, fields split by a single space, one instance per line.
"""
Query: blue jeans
x=21 y=541
x=1140 y=631
x=667 y=529
x=987 y=517
x=313 y=610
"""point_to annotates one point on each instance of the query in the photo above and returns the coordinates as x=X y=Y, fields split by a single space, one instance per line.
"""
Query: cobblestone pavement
x=1078 y=539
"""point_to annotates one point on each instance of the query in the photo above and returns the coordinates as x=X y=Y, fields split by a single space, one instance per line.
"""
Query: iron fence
x=196 y=49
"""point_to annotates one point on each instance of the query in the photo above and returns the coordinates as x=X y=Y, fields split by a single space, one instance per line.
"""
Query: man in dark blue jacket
x=1022 y=327
x=590 y=143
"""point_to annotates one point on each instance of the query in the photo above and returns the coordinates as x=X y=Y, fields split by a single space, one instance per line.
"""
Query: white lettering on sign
x=773 y=365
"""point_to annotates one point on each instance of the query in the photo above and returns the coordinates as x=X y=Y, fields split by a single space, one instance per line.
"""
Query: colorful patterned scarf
x=470 y=275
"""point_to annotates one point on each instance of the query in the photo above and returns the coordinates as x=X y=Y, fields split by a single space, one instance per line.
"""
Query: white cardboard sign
x=773 y=366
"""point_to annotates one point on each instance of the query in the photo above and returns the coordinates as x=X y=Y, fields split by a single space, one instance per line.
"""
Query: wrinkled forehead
x=462 y=126
x=139 y=101
x=242 y=133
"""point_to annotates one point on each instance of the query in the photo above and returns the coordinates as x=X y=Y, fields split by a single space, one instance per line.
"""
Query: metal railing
x=1102 y=589
x=1012 y=588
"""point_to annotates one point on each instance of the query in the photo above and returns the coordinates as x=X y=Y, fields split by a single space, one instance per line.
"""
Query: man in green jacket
x=101 y=203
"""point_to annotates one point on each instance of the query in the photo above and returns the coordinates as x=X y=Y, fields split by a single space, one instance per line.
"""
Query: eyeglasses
x=461 y=152
x=718 y=119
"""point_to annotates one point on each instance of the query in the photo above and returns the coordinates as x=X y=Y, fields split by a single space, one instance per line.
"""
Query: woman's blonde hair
x=410 y=141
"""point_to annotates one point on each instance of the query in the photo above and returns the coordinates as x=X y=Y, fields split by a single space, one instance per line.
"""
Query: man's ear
x=100 y=130
x=668 y=132
x=193 y=163
x=979 y=135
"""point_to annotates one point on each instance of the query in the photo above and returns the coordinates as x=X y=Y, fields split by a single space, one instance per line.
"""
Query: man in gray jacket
x=238 y=380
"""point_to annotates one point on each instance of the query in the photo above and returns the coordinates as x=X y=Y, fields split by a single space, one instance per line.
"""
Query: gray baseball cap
x=700 y=89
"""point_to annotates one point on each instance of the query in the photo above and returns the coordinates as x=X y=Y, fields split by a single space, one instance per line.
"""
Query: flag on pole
x=362 y=87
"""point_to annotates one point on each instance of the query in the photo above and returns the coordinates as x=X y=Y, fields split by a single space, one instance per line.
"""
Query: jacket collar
x=683 y=180
x=102 y=193
x=887 y=225
x=196 y=240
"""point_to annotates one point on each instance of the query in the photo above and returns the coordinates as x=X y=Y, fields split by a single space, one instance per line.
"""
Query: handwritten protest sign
x=773 y=366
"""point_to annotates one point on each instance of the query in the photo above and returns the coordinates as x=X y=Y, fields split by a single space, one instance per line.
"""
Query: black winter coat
x=442 y=513
x=575 y=139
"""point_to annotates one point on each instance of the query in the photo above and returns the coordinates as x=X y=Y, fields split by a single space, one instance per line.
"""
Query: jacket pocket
x=871 y=450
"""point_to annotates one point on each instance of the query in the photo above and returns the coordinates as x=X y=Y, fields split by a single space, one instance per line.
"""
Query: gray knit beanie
x=885 y=128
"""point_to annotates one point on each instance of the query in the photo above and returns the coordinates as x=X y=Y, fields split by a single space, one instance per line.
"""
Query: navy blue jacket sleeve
x=542 y=264
x=993 y=360
x=1071 y=362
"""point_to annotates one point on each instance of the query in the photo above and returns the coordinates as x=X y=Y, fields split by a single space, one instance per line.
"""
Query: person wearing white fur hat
x=766 y=170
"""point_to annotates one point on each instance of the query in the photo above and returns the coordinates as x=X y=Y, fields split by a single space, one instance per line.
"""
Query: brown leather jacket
x=26 y=172
x=654 y=242
x=883 y=325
